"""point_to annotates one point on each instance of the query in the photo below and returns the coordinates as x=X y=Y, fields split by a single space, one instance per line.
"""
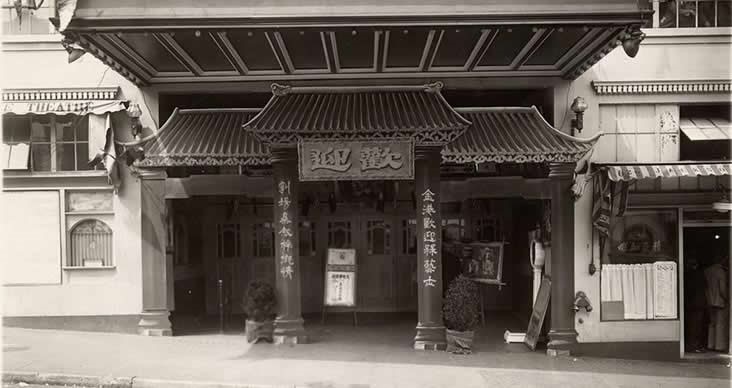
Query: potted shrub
x=461 y=314
x=259 y=306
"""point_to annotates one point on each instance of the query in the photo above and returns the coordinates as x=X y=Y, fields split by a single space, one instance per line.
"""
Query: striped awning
x=513 y=135
x=700 y=128
x=630 y=172
x=78 y=101
x=205 y=137
x=357 y=113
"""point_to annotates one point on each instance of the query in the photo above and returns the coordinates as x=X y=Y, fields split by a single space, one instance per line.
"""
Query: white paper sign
x=341 y=285
x=340 y=278
x=665 y=289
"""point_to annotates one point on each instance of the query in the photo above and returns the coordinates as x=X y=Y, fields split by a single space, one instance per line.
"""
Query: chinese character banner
x=356 y=160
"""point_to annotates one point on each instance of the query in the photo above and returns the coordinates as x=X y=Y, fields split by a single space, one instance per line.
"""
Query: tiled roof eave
x=355 y=113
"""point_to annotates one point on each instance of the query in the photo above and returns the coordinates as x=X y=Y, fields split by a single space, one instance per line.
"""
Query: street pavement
x=335 y=359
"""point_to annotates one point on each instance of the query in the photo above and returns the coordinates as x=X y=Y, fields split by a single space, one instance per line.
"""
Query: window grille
x=91 y=245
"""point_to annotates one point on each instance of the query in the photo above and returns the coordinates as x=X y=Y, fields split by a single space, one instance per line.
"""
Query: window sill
x=69 y=268
x=49 y=174
x=688 y=31
x=32 y=38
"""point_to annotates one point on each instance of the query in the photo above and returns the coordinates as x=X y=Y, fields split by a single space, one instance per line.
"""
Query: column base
x=430 y=338
x=155 y=324
x=289 y=332
x=561 y=341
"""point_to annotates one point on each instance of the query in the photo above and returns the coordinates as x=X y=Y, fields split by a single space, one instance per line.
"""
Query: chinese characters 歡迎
x=331 y=159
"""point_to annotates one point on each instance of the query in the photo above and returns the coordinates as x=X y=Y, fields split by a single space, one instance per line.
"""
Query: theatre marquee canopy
x=170 y=41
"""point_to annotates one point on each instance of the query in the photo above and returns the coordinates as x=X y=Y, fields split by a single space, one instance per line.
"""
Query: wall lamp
x=579 y=106
x=75 y=51
x=631 y=40
x=134 y=112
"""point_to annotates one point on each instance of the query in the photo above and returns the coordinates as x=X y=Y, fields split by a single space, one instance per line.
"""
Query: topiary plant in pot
x=461 y=311
x=259 y=305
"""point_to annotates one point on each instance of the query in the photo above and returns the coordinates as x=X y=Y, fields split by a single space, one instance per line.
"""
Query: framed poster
x=486 y=263
x=340 y=278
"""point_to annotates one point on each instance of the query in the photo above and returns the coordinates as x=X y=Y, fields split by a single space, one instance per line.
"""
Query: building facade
x=477 y=100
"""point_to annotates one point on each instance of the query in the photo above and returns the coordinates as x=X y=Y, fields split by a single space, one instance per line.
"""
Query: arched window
x=91 y=244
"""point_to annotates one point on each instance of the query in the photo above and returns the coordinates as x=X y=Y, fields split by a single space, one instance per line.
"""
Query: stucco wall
x=41 y=62
x=668 y=55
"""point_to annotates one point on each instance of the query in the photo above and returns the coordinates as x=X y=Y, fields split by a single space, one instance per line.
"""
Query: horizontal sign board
x=356 y=160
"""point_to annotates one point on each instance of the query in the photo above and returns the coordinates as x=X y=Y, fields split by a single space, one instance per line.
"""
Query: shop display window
x=639 y=274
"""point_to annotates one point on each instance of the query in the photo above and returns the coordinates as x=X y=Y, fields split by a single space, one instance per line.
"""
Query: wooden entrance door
x=376 y=266
x=373 y=239
x=405 y=268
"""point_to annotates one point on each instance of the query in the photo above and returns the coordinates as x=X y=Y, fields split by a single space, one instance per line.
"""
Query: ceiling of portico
x=148 y=48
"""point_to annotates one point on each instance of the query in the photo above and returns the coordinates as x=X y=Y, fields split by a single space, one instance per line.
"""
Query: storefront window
x=639 y=267
x=57 y=143
x=691 y=14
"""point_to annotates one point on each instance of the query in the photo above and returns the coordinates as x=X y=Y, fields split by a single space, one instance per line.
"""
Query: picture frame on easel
x=341 y=275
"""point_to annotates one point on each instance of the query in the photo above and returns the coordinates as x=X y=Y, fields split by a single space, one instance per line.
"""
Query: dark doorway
x=704 y=248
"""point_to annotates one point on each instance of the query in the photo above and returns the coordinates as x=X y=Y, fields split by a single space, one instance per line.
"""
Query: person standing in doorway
x=717 y=293
x=696 y=307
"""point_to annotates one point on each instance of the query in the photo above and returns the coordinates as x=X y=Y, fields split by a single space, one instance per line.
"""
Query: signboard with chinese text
x=486 y=261
x=340 y=278
x=538 y=314
x=356 y=160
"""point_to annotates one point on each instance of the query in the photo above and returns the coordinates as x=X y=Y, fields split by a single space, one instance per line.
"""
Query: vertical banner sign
x=340 y=278
x=356 y=160
x=284 y=229
x=430 y=237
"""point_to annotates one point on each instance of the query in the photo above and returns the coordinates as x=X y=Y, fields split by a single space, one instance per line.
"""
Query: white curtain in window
x=650 y=291
x=611 y=282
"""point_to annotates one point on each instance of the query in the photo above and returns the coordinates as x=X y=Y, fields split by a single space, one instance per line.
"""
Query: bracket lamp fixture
x=75 y=51
x=134 y=112
x=631 y=40
x=579 y=106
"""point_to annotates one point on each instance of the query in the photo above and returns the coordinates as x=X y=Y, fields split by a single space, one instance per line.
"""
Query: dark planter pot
x=460 y=342
x=259 y=330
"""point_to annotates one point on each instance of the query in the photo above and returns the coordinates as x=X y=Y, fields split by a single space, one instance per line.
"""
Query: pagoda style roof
x=513 y=135
x=205 y=137
x=217 y=137
x=357 y=113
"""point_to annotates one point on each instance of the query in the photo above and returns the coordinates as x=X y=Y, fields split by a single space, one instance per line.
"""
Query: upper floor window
x=706 y=132
x=27 y=21
x=57 y=143
x=697 y=13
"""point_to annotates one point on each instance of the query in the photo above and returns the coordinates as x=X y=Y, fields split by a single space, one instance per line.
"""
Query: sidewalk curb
x=66 y=379
x=119 y=382
x=155 y=383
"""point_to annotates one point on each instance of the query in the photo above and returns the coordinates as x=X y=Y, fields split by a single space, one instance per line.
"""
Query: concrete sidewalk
x=334 y=360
